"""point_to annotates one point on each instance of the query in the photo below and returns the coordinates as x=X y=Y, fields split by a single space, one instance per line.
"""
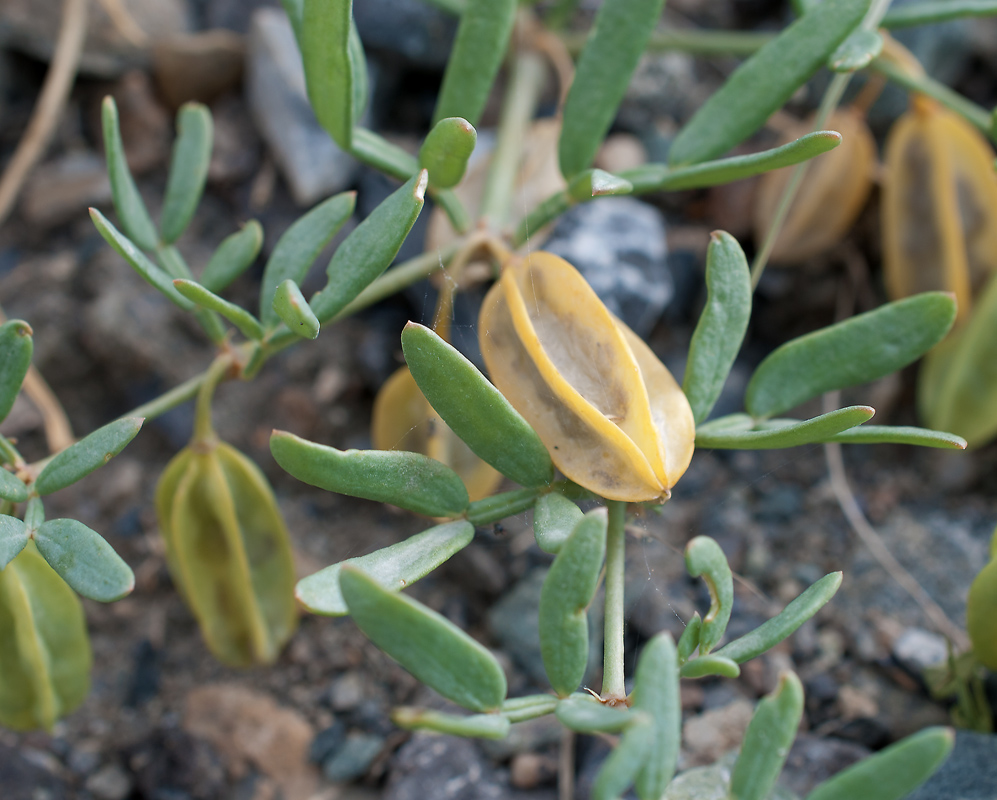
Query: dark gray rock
x=618 y=245
x=352 y=758
x=412 y=29
x=970 y=773
x=23 y=780
x=814 y=759
x=917 y=650
x=443 y=768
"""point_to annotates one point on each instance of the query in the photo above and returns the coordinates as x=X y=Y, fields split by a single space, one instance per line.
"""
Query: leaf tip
x=420 y=185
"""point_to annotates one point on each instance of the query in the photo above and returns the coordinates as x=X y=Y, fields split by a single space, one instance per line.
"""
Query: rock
x=618 y=245
x=22 y=779
x=346 y=692
x=814 y=759
x=61 y=190
x=524 y=737
x=237 y=150
x=410 y=28
x=171 y=761
x=711 y=783
x=326 y=742
x=198 y=66
x=707 y=736
x=31 y=26
x=443 y=768
x=146 y=127
x=918 y=650
x=529 y=770
x=235 y=15
x=313 y=165
x=970 y=773
x=352 y=758
x=110 y=782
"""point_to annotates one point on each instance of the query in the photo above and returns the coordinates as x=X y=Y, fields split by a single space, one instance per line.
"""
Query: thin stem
x=204 y=431
x=613 y=686
x=176 y=396
x=9 y=454
x=566 y=766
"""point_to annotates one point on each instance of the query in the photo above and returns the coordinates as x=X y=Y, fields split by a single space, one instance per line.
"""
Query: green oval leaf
x=705 y=559
x=624 y=763
x=474 y=409
x=93 y=451
x=324 y=36
x=446 y=151
x=428 y=645
x=662 y=178
x=479 y=726
x=656 y=692
x=768 y=739
x=16 y=346
x=247 y=324
x=128 y=202
x=478 y=50
x=720 y=330
x=394 y=567
x=899 y=434
x=773 y=631
x=12 y=488
x=407 y=480
x=34 y=514
x=856 y=52
x=13 y=538
x=233 y=256
x=893 y=773
x=596 y=183
x=689 y=640
x=520 y=709
x=564 y=599
x=84 y=560
x=292 y=308
x=152 y=274
x=858 y=350
x=188 y=169
x=489 y=510
x=605 y=66
x=763 y=83
x=933 y=11
x=554 y=518
x=777 y=433
x=588 y=715
x=704 y=666
x=370 y=248
x=299 y=246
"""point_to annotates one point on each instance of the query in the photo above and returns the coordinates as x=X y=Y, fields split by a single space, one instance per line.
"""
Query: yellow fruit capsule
x=981 y=612
x=939 y=205
x=403 y=419
x=45 y=656
x=834 y=191
x=609 y=412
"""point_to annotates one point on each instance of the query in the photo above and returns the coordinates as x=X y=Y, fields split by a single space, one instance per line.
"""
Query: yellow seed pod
x=45 y=654
x=611 y=415
x=833 y=192
x=981 y=612
x=403 y=419
x=228 y=551
x=939 y=205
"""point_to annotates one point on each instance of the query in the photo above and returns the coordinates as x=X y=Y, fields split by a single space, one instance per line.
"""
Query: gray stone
x=918 y=650
x=352 y=758
x=814 y=759
x=110 y=783
x=313 y=165
x=62 y=190
x=970 y=773
x=22 y=779
x=443 y=768
x=618 y=245
x=411 y=28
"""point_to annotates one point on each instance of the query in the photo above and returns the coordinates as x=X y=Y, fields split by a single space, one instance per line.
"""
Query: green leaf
x=93 y=451
x=428 y=645
x=662 y=178
x=234 y=255
x=773 y=631
x=247 y=324
x=474 y=409
x=893 y=773
x=292 y=308
x=704 y=666
x=446 y=151
x=299 y=246
x=188 y=169
x=84 y=560
x=520 y=709
x=567 y=592
x=587 y=715
x=899 y=434
x=479 y=726
x=128 y=202
x=489 y=510
x=358 y=66
x=777 y=433
x=763 y=83
x=370 y=248
x=689 y=640
x=16 y=346
x=554 y=518
x=768 y=739
x=34 y=514
x=656 y=692
x=720 y=330
x=13 y=538
x=155 y=276
x=407 y=480
x=324 y=40
x=605 y=66
x=858 y=350
x=926 y=13
x=478 y=50
x=624 y=763
x=394 y=567
x=856 y=52
x=295 y=10
x=597 y=183
x=12 y=488
x=705 y=559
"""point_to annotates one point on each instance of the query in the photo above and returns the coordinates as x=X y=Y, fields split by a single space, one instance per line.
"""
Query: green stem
x=613 y=687
x=527 y=78
x=176 y=396
x=9 y=454
x=204 y=431
x=492 y=509
x=548 y=210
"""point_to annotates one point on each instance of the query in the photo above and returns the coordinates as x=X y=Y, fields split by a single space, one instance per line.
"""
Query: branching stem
x=613 y=687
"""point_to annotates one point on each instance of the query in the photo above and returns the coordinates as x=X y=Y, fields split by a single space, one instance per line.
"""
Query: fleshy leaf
x=858 y=350
x=588 y=715
x=931 y=11
x=13 y=538
x=234 y=255
x=705 y=559
x=324 y=42
x=12 y=488
x=428 y=645
x=981 y=615
x=247 y=324
x=520 y=709
x=856 y=52
x=554 y=518
x=16 y=346
x=656 y=692
x=292 y=308
x=128 y=202
x=84 y=560
x=689 y=640
x=704 y=666
x=407 y=480
x=479 y=726
x=446 y=150
x=597 y=183
x=188 y=169
x=93 y=451
x=394 y=567
x=626 y=760
x=899 y=434
x=778 y=433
